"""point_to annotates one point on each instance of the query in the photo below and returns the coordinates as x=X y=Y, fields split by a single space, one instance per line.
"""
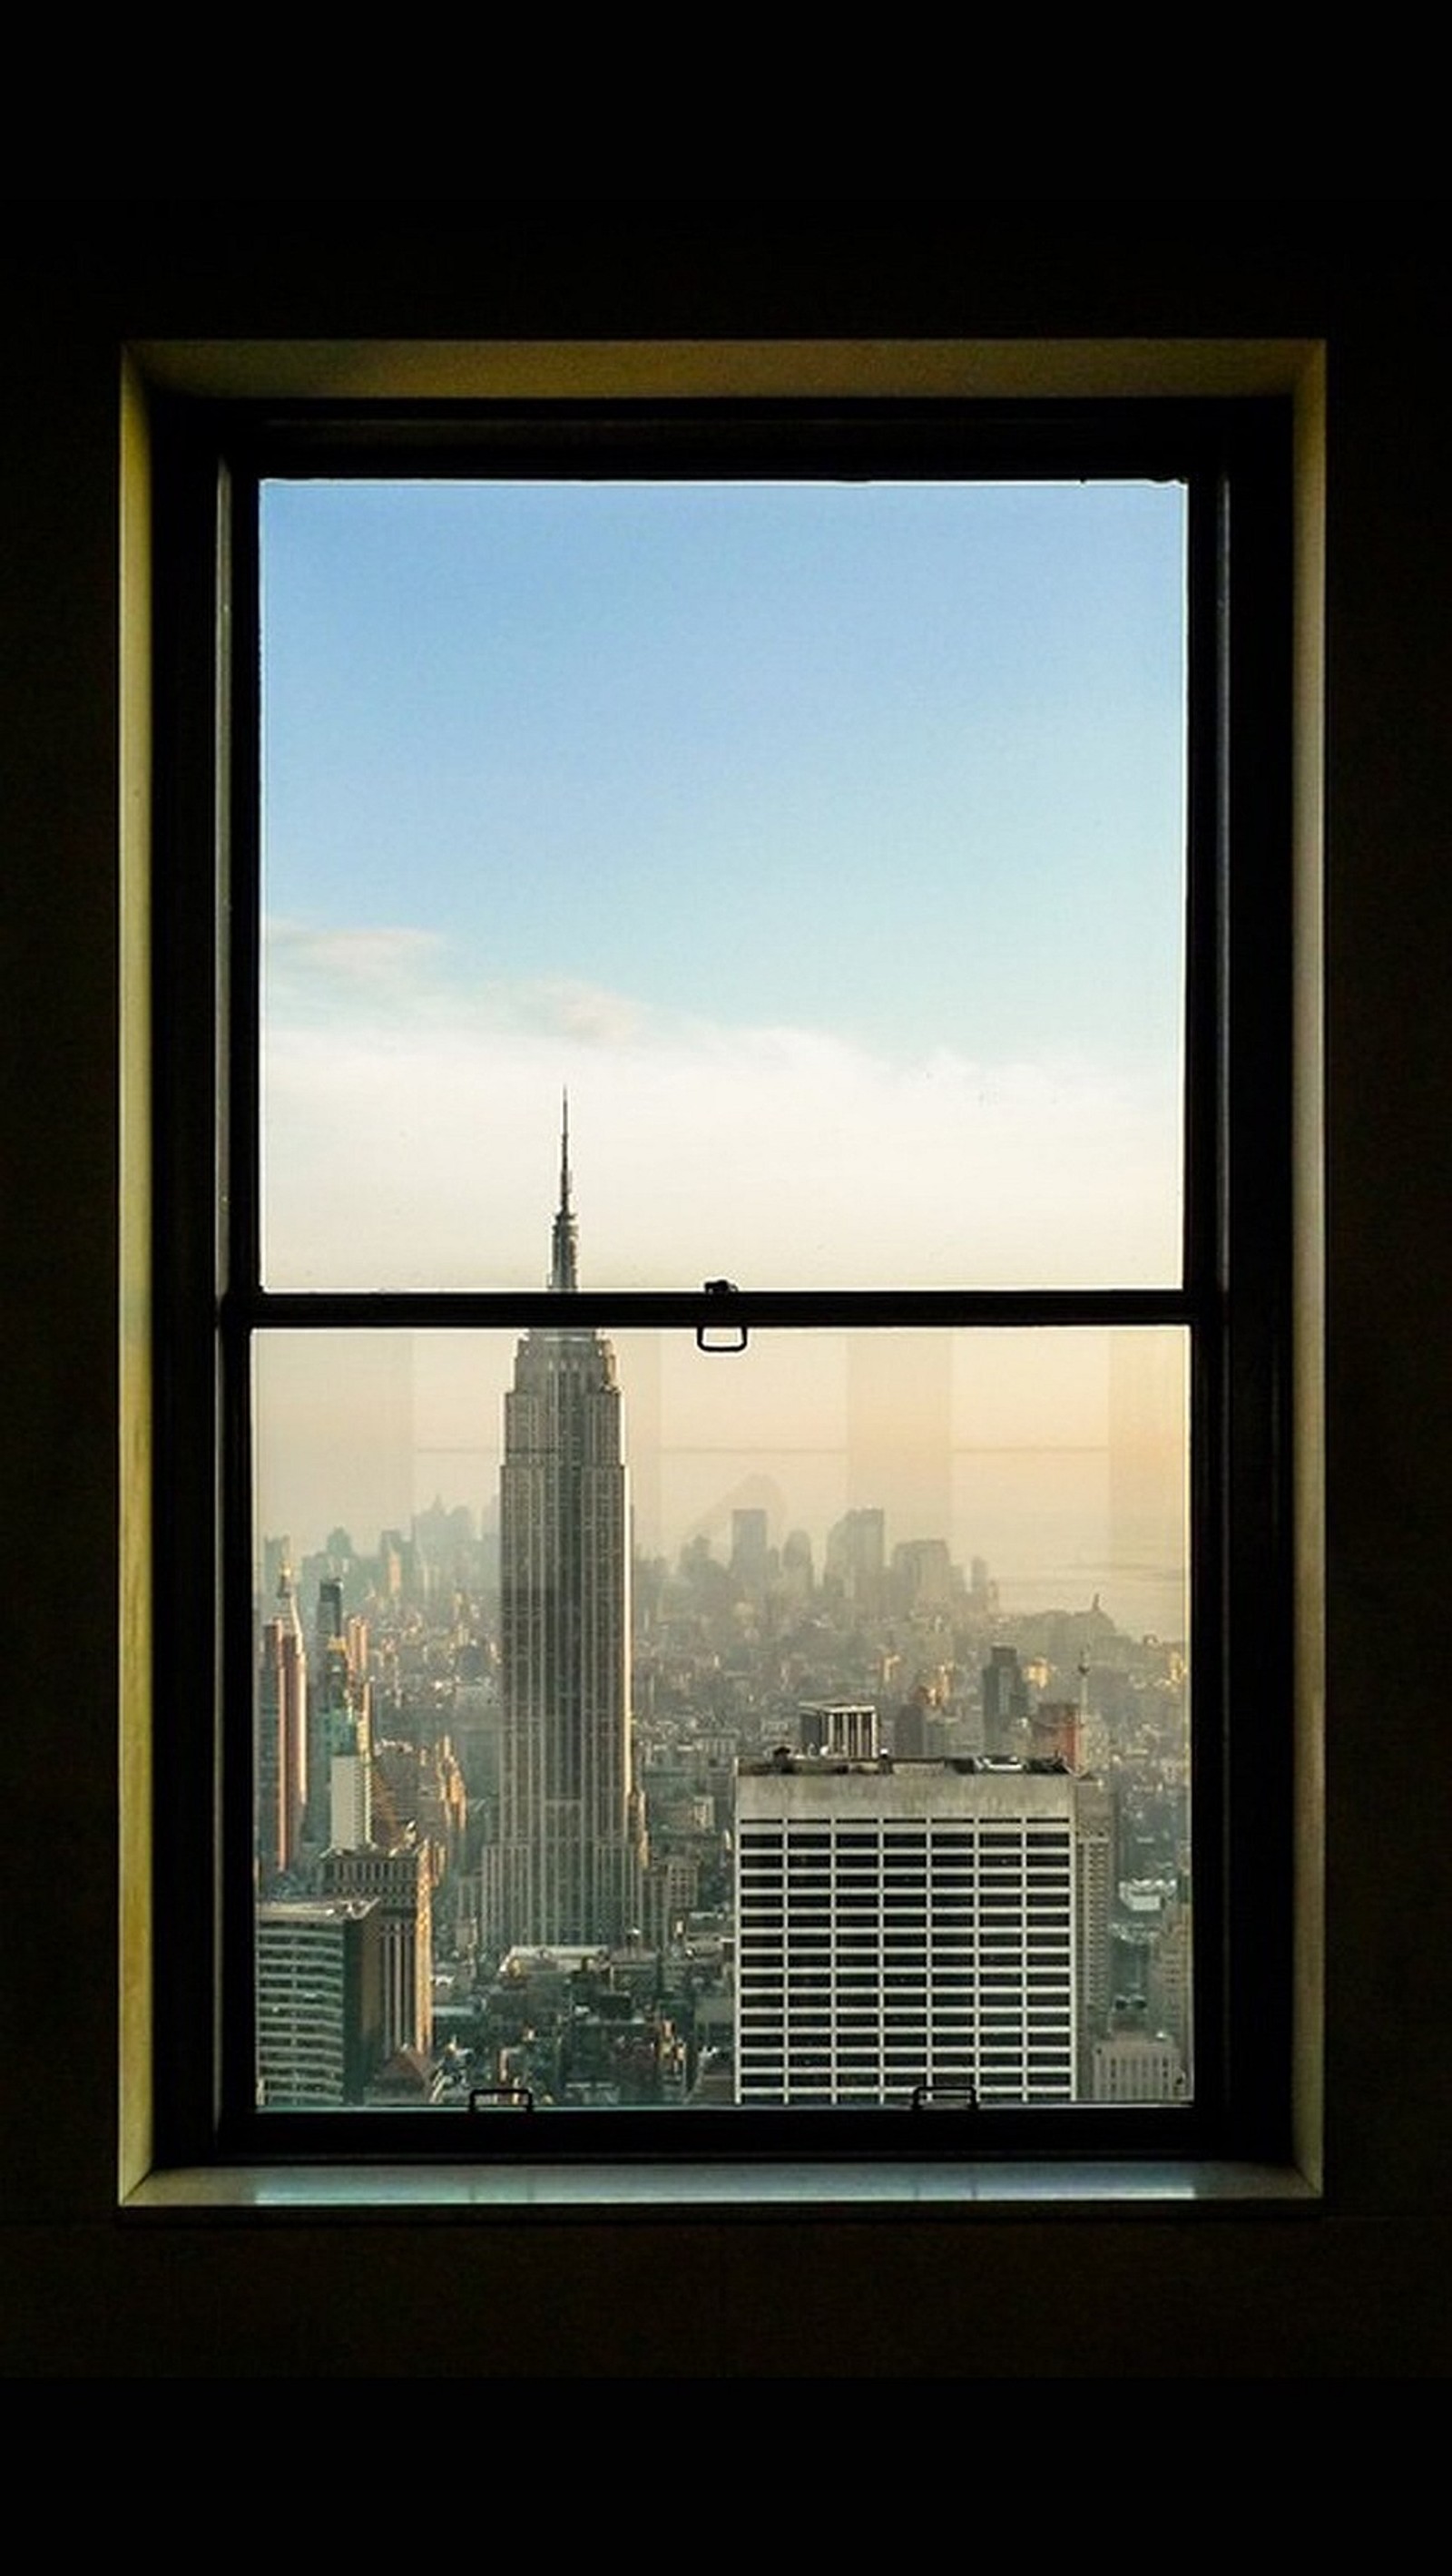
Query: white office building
x=903 y=1924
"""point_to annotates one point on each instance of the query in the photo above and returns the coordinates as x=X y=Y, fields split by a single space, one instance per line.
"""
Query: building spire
x=564 y=1279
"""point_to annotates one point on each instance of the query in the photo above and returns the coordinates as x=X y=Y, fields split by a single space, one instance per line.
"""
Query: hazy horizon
x=1066 y=1469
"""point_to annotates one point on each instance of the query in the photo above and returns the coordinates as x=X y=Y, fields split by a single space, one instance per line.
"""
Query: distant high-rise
x=283 y=1750
x=1005 y=1703
x=857 y=1557
x=399 y=1884
x=566 y=1868
x=327 y=1665
x=341 y=1730
x=749 y=1551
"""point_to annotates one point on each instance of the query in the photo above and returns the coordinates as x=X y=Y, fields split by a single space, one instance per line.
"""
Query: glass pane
x=648 y=1727
x=824 y=841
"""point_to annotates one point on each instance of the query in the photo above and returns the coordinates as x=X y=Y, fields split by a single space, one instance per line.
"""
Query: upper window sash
x=825 y=833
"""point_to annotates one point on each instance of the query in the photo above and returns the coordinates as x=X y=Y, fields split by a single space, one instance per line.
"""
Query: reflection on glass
x=825 y=840
x=648 y=1728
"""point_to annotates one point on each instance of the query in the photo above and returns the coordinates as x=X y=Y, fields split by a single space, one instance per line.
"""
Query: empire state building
x=568 y=1861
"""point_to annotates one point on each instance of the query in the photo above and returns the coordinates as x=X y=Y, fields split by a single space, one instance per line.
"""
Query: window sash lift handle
x=720 y=1339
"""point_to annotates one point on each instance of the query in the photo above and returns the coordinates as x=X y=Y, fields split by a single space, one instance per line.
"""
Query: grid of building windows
x=319 y=2000
x=904 y=1925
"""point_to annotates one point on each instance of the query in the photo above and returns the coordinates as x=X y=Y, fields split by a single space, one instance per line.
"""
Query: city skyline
x=1023 y=1467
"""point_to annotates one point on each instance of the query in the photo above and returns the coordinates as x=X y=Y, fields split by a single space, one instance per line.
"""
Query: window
x=731 y=1707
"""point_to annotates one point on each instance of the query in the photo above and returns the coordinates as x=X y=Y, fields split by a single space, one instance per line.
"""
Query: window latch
x=715 y=1338
x=512 y=2097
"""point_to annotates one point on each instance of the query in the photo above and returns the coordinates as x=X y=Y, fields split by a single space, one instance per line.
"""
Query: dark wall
x=1357 y=2284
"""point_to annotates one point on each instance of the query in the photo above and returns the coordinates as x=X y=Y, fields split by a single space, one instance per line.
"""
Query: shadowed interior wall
x=1358 y=2284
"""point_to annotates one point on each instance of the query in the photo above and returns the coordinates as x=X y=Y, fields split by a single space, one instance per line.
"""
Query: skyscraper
x=283 y=1749
x=567 y=1864
x=399 y=1885
x=341 y=1729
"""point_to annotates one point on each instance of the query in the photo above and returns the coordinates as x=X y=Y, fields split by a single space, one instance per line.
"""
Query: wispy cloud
x=308 y=971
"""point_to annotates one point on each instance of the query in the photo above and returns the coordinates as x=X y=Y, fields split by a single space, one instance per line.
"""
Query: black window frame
x=1235 y=454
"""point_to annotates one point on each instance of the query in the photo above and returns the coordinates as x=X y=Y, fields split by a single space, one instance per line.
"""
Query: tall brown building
x=567 y=1864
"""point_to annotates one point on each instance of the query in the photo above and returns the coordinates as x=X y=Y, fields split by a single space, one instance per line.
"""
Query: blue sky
x=826 y=839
